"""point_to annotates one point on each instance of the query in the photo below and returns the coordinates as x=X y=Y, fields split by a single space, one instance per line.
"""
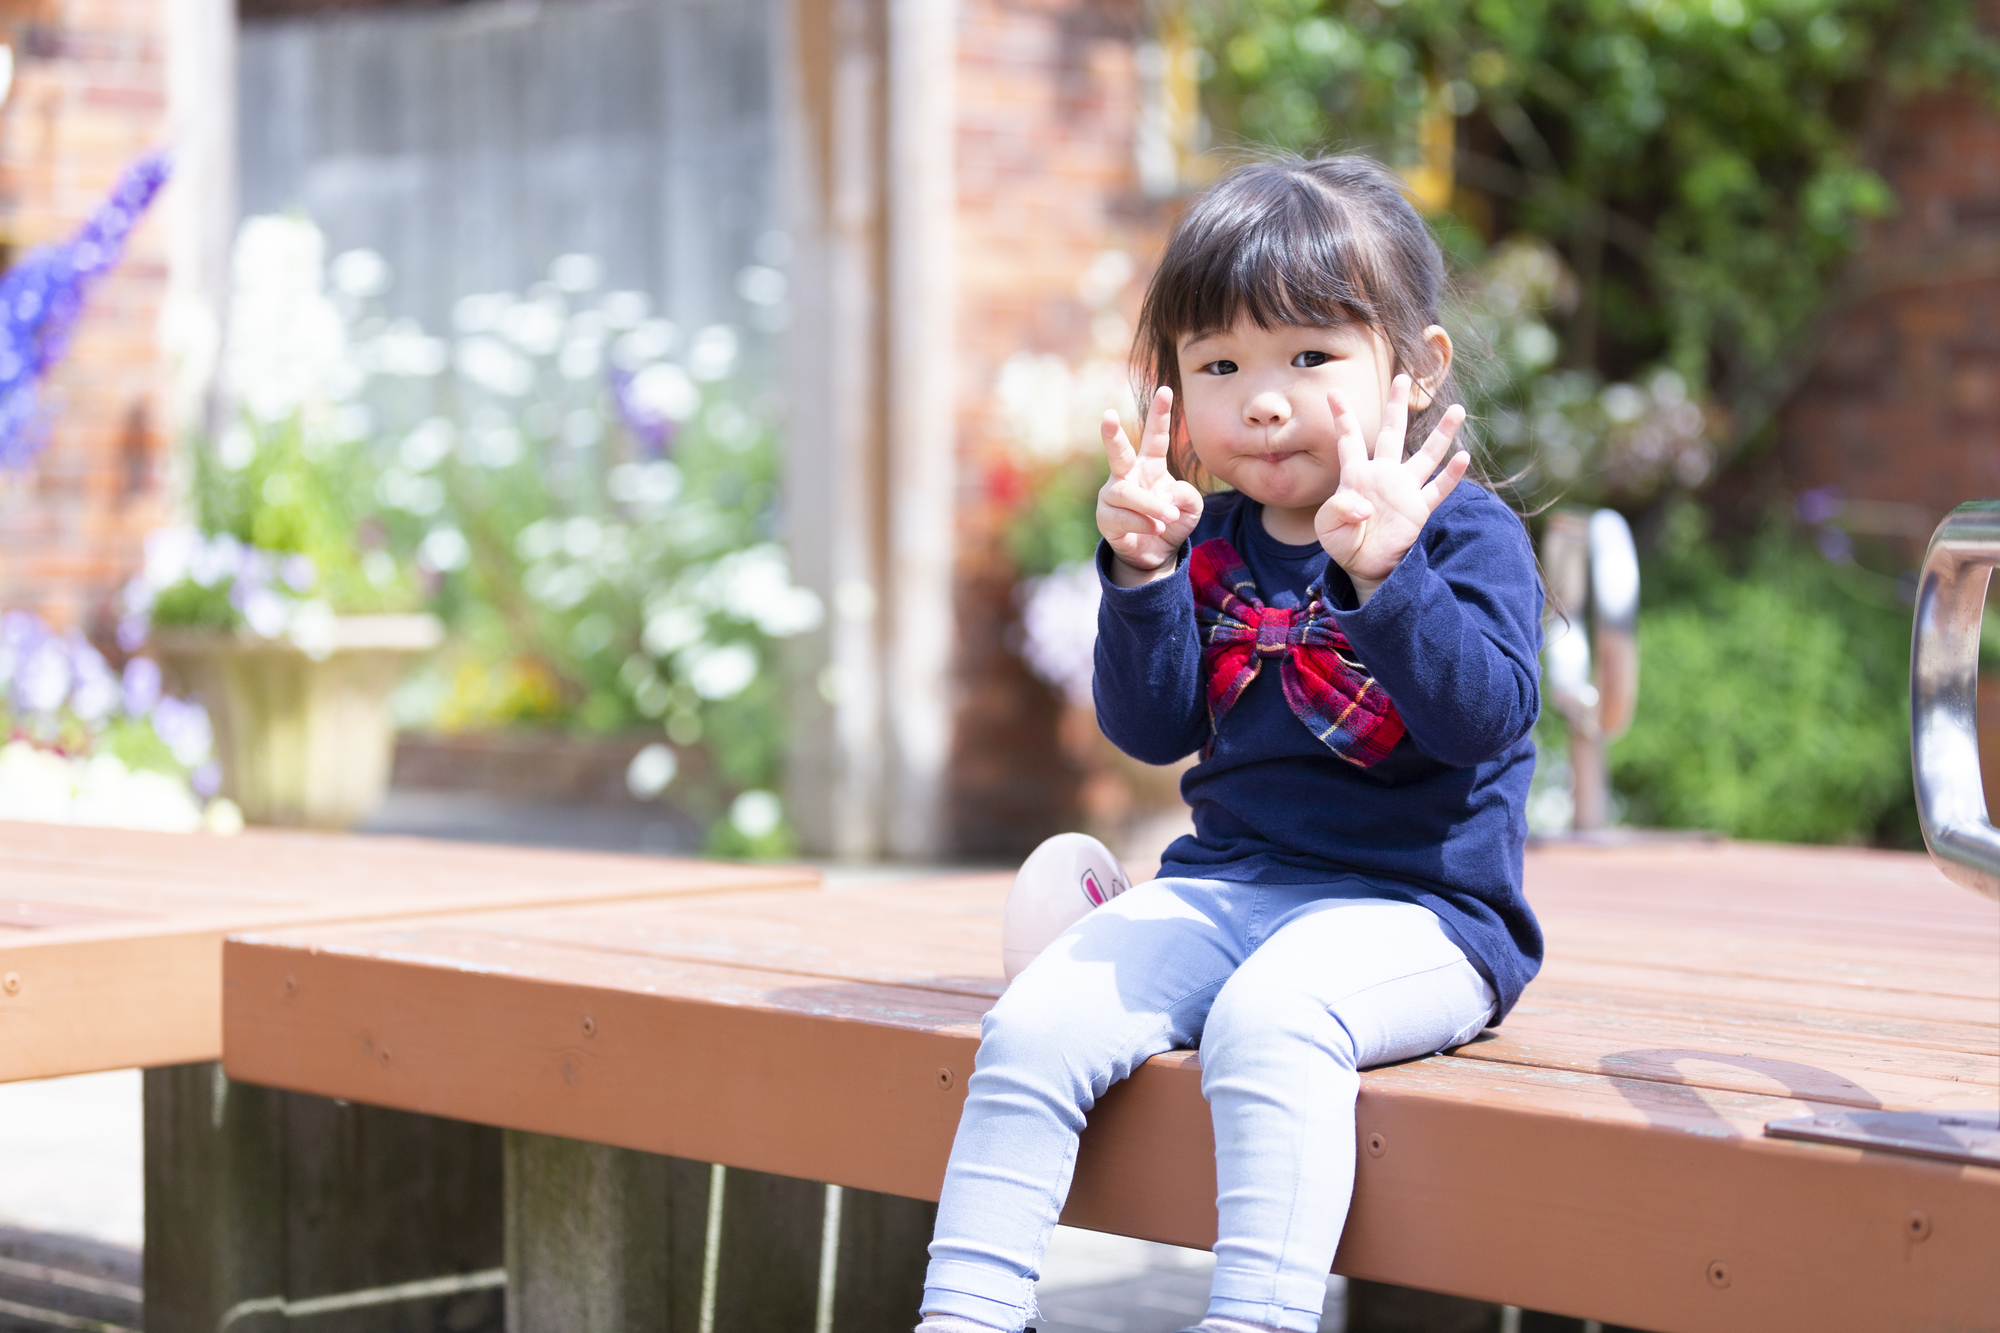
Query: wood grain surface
x=110 y=940
x=1600 y=1155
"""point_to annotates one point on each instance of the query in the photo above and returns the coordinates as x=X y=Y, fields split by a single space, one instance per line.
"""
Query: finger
x=1159 y=424
x=1187 y=499
x=1446 y=481
x=1117 y=449
x=1348 y=445
x=1425 y=460
x=1125 y=493
x=1395 y=421
x=1350 y=507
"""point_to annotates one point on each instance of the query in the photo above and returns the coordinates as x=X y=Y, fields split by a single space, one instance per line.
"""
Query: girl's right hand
x=1144 y=511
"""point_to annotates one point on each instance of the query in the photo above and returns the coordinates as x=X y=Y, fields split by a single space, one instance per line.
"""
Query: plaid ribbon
x=1325 y=684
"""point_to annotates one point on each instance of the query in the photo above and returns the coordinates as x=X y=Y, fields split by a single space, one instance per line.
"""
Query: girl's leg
x=1338 y=986
x=1132 y=979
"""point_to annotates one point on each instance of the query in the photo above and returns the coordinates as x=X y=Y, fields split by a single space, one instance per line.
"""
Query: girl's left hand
x=1384 y=498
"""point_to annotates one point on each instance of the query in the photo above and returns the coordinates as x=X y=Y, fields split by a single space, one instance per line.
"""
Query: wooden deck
x=1601 y=1155
x=110 y=941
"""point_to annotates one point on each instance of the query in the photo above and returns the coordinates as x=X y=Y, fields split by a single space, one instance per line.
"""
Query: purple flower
x=183 y=728
x=42 y=680
x=299 y=572
x=206 y=779
x=652 y=429
x=95 y=694
x=142 y=686
x=133 y=630
x=42 y=295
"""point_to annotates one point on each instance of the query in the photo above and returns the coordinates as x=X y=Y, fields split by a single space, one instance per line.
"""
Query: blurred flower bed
x=584 y=493
x=88 y=745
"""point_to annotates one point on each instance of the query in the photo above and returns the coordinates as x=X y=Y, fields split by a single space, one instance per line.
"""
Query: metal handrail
x=1944 y=693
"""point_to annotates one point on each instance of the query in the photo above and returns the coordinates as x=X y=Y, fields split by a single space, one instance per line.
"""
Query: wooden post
x=610 y=1238
x=867 y=121
x=1378 y=1307
x=263 y=1206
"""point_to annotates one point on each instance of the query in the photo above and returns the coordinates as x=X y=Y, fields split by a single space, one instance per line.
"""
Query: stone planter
x=303 y=740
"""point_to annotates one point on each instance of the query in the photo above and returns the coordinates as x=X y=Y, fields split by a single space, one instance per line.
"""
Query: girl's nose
x=1266 y=410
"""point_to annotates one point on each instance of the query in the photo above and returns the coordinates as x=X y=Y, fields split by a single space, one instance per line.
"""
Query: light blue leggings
x=1286 y=990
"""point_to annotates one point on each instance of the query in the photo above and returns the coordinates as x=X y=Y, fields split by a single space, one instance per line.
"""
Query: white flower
x=287 y=345
x=650 y=484
x=493 y=366
x=536 y=327
x=169 y=553
x=721 y=672
x=1059 y=628
x=650 y=771
x=651 y=340
x=756 y=813
x=444 y=549
x=671 y=627
x=360 y=273
x=266 y=613
x=315 y=629
x=712 y=354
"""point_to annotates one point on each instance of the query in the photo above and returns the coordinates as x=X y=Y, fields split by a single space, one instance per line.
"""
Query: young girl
x=1349 y=636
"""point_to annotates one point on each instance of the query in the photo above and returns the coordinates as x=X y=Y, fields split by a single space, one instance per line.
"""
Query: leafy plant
x=1774 y=702
x=1700 y=166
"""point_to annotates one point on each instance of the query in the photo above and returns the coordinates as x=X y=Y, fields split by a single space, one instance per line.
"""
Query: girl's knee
x=1256 y=1019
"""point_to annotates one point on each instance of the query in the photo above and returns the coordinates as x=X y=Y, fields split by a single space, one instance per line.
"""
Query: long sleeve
x=1148 y=682
x=1454 y=634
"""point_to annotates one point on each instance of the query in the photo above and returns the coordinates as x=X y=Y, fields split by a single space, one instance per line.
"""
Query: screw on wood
x=589 y=1026
x=11 y=983
x=383 y=1055
x=1918 y=1225
x=291 y=986
x=1718 y=1274
x=1377 y=1145
x=944 y=1079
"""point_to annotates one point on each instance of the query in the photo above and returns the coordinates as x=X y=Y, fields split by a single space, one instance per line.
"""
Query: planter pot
x=303 y=740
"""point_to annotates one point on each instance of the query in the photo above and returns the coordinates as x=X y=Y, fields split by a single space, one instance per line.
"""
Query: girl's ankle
x=954 y=1323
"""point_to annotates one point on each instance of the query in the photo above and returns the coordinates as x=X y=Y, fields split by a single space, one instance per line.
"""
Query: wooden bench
x=111 y=957
x=673 y=1073
x=111 y=941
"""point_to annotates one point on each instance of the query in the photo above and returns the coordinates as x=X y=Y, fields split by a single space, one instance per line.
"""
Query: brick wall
x=1048 y=95
x=1903 y=406
x=89 y=95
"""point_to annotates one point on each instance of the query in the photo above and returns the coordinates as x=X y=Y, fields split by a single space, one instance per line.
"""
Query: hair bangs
x=1281 y=252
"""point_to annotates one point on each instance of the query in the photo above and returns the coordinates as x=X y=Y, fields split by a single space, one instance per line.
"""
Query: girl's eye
x=1307 y=360
x=1220 y=368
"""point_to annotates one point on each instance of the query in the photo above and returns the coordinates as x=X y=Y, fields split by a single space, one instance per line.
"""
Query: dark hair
x=1293 y=240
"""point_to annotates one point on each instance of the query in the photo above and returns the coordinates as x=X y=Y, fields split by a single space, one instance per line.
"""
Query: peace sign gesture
x=1384 y=498
x=1144 y=511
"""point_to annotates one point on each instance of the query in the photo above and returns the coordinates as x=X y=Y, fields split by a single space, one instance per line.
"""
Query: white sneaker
x=1057 y=886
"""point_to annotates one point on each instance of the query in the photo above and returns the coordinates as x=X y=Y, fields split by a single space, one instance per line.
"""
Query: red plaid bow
x=1325 y=684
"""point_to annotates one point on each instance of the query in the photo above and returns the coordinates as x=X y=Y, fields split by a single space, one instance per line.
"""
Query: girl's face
x=1256 y=403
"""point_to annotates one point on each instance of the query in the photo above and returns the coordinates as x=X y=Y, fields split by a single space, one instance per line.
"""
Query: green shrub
x=1774 y=695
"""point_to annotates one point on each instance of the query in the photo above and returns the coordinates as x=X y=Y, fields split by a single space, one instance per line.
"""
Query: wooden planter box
x=302 y=740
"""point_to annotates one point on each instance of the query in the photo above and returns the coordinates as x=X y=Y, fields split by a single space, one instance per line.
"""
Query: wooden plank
x=133 y=977
x=1817 y=894
x=1536 y=1183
